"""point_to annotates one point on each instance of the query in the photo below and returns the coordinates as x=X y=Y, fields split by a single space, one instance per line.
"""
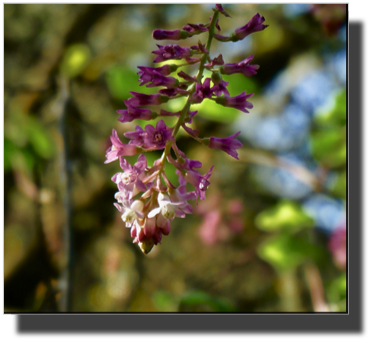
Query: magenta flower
x=171 y=52
x=156 y=78
x=137 y=137
x=238 y=102
x=199 y=182
x=255 y=24
x=140 y=99
x=130 y=181
x=220 y=9
x=173 y=92
x=200 y=48
x=202 y=91
x=174 y=35
x=216 y=61
x=181 y=195
x=160 y=80
x=156 y=137
x=228 y=144
x=145 y=72
x=194 y=29
x=220 y=85
x=134 y=113
x=241 y=67
x=185 y=76
x=119 y=149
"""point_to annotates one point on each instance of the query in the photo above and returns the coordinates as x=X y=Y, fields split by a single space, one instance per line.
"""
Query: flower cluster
x=147 y=200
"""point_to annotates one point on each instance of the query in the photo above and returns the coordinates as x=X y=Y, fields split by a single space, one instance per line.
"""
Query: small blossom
x=174 y=35
x=255 y=24
x=220 y=85
x=187 y=77
x=221 y=10
x=145 y=73
x=119 y=149
x=200 y=48
x=156 y=78
x=140 y=99
x=156 y=137
x=171 y=52
x=130 y=180
x=131 y=211
x=194 y=29
x=173 y=92
x=137 y=137
x=190 y=131
x=228 y=144
x=135 y=113
x=216 y=61
x=192 y=60
x=202 y=91
x=238 y=102
x=221 y=38
x=199 y=182
x=241 y=67
x=167 y=210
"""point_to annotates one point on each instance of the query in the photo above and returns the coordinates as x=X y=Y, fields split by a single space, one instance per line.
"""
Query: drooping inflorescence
x=147 y=200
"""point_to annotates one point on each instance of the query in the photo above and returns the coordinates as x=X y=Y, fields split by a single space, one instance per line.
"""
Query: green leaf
x=212 y=111
x=285 y=251
x=285 y=215
x=10 y=149
x=40 y=139
x=165 y=301
x=336 y=116
x=201 y=301
x=122 y=80
x=75 y=59
x=336 y=291
x=338 y=188
x=329 y=147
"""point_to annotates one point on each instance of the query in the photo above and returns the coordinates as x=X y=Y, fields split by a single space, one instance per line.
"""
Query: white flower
x=132 y=212
x=167 y=210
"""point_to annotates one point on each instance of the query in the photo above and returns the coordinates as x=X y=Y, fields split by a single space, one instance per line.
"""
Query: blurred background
x=271 y=234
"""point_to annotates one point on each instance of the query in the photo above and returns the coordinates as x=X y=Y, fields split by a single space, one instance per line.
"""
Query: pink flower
x=199 y=182
x=130 y=180
x=337 y=246
x=119 y=149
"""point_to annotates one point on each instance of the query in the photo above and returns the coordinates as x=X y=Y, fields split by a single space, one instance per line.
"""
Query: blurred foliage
x=286 y=215
x=67 y=69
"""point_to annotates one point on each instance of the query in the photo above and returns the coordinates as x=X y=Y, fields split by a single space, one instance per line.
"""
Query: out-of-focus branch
x=269 y=159
x=314 y=281
x=65 y=283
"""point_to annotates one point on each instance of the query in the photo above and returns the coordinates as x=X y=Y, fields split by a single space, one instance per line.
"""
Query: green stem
x=199 y=77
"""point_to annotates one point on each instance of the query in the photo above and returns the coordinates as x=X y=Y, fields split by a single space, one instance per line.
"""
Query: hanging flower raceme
x=147 y=200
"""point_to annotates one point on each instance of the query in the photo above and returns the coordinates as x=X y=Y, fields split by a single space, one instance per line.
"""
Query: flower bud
x=146 y=245
x=174 y=35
